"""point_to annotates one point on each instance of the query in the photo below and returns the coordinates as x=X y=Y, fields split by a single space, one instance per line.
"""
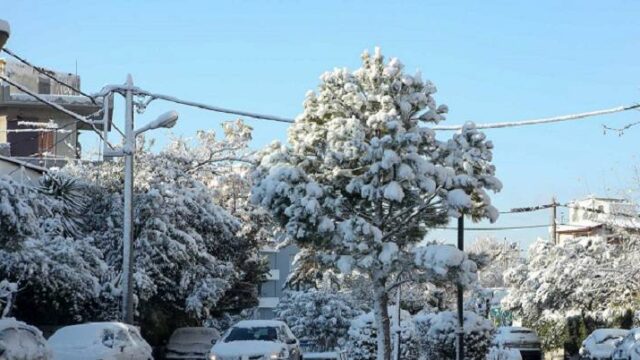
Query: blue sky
x=491 y=60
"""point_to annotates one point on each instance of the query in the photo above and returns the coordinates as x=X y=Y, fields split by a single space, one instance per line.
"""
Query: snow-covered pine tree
x=364 y=178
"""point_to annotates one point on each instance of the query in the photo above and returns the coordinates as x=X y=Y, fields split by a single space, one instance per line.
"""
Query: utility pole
x=398 y=331
x=127 y=244
x=554 y=226
x=460 y=347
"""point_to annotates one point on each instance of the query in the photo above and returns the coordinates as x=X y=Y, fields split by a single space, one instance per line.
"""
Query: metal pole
x=554 y=225
x=460 y=347
x=398 y=331
x=127 y=243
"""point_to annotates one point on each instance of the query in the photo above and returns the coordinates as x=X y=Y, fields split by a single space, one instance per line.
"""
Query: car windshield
x=194 y=336
x=262 y=333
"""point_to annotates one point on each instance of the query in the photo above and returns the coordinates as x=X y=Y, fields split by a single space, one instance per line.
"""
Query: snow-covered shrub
x=362 y=339
x=567 y=290
x=320 y=316
x=436 y=334
x=59 y=276
x=363 y=177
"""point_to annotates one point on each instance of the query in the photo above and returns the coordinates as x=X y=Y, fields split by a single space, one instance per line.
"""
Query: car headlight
x=213 y=356
x=281 y=355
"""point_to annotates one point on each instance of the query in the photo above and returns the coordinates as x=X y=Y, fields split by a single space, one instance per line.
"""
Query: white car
x=522 y=339
x=601 y=343
x=99 y=341
x=21 y=341
x=629 y=347
x=192 y=343
x=257 y=340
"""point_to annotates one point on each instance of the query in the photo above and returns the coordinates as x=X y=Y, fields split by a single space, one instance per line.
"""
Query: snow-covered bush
x=498 y=257
x=436 y=334
x=194 y=260
x=362 y=342
x=363 y=177
x=59 y=276
x=320 y=316
x=565 y=291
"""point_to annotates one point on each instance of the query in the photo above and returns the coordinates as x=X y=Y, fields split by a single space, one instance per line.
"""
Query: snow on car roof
x=601 y=335
x=84 y=334
x=258 y=323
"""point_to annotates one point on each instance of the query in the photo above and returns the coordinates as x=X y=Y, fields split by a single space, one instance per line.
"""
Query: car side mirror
x=291 y=341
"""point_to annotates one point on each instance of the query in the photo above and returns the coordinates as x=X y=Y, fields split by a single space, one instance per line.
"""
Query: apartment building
x=280 y=261
x=33 y=131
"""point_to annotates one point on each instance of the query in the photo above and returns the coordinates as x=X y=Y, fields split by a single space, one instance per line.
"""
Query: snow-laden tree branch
x=364 y=178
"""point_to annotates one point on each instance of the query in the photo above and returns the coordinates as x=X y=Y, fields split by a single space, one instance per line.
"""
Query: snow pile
x=19 y=341
x=436 y=333
x=362 y=342
x=322 y=317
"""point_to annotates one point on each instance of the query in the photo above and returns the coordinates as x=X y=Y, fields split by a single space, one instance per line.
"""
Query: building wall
x=271 y=291
x=19 y=173
x=30 y=145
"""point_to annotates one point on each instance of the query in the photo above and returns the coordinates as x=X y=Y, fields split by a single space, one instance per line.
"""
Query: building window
x=44 y=86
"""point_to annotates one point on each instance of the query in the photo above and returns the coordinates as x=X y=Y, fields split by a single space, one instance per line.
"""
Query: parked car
x=330 y=355
x=21 y=341
x=524 y=340
x=629 y=347
x=601 y=344
x=191 y=343
x=99 y=341
x=257 y=339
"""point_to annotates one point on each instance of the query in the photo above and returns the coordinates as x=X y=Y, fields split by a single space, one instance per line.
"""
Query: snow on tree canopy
x=363 y=170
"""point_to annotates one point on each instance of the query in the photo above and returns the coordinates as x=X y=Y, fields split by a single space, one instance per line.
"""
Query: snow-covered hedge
x=320 y=316
x=436 y=334
x=362 y=342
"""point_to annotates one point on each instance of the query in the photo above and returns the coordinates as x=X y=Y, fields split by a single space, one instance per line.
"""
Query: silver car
x=191 y=343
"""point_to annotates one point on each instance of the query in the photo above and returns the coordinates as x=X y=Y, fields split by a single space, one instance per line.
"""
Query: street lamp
x=166 y=120
x=128 y=150
x=5 y=31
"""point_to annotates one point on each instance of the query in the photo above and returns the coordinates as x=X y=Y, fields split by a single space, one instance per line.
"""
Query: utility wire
x=213 y=108
x=443 y=128
x=47 y=74
x=547 y=120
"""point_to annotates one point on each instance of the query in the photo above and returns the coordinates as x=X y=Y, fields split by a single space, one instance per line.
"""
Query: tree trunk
x=381 y=317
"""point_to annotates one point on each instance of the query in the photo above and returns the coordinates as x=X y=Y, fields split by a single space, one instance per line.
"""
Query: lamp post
x=5 y=31
x=128 y=150
x=460 y=296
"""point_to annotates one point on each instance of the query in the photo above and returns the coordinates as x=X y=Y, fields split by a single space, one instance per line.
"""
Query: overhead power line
x=47 y=74
x=440 y=128
x=213 y=108
x=547 y=120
